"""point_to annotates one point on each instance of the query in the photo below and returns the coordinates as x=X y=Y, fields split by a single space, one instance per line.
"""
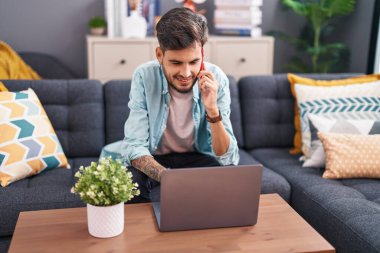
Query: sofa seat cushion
x=346 y=212
x=48 y=190
x=271 y=181
x=5 y=242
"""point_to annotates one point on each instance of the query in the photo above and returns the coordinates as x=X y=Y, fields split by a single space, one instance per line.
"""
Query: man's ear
x=159 y=55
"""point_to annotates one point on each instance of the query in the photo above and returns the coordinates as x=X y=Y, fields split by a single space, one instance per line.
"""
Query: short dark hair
x=179 y=28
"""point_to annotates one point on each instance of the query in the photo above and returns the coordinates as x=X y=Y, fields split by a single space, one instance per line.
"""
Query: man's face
x=181 y=67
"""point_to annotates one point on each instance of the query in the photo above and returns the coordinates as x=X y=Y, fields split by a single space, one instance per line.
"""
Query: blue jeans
x=149 y=188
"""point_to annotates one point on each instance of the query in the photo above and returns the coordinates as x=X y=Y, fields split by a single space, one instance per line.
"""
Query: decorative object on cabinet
x=238 y=17
x=117 y=58
x=97 y=25
x=190 y=4
x=135 y=25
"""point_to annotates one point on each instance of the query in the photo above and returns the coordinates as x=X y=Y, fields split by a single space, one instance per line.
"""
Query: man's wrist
x=214 y=119
x=212 y=113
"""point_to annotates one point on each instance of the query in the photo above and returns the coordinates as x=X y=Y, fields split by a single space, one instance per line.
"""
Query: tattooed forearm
x=149 y=166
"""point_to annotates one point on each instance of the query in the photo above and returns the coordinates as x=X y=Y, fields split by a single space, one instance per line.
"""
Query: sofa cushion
x=5 y=242
x=28 y=143
x=317 y=123
x=351 y=155
x=48 y=190
x=345 y=212
x=271 y=181
x=356 y=101
x=47 y=66
x=267 y=109
x=75 y=109
x=294 y=79
x=265 y=122
x=116 y=96
x=235 y=116
x=116 y=107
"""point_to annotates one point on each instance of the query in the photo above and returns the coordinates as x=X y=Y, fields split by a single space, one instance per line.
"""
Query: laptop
x=209 y=197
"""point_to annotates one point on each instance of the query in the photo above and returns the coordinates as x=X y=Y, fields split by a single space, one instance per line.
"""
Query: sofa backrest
x=75 y=109
x=116 y=97
x=116 y=94
x=267 y=109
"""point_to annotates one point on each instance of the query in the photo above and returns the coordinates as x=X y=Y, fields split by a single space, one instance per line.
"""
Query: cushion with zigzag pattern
x=28 y=143
x=294 y=79
x=353 y=102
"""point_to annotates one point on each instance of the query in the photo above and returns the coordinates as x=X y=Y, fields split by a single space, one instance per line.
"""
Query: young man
x=179 y=115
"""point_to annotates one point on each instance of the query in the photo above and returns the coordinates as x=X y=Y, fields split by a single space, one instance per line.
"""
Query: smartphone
x=202 y=64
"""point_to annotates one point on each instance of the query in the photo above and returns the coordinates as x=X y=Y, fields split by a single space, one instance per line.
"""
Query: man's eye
x=193 y=62
x=175 y=63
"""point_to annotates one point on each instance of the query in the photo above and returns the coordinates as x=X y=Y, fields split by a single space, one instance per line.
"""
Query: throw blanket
x=12 y=66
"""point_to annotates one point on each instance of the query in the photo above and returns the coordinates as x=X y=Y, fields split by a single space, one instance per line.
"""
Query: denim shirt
x=149 y=101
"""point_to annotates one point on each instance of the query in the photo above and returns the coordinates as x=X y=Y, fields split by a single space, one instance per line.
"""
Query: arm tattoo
x=149 y=166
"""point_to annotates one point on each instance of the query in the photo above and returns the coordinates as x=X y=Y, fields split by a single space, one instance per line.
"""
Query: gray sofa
x=87 y=115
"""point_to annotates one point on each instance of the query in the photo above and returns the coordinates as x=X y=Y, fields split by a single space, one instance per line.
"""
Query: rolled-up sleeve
x=231 y=157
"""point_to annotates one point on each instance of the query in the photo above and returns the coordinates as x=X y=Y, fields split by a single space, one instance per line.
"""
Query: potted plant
x=97 y=25
x=105 y=187
x=317 y=54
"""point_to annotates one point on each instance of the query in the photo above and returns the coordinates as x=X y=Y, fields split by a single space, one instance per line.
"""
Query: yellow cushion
x=2 y=87
x=351 y=156
x=28 y=143
x=294 y=79
x=12 y=66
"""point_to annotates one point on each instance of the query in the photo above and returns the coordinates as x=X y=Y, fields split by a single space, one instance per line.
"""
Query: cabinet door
x=119 y=60
x=242 y=58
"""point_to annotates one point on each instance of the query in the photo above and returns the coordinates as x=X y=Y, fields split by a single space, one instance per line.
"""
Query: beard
x=179 y=87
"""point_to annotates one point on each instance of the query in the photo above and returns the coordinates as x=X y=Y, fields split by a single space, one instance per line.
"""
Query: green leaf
x=297 y=7
x=340 y=7
x=318 y=16
x=105 y=184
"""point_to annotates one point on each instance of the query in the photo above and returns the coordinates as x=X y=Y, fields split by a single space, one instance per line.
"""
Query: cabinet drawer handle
x=122 y=62
x=242 y=60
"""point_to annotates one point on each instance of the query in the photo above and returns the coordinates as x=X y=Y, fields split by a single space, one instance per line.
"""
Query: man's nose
x=186 y=71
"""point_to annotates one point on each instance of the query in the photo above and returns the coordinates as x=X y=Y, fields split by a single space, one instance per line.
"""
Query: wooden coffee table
x=279 y=229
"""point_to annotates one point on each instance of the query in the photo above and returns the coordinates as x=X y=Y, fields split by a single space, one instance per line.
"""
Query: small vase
x=134 y=26
x=97 y=31
x=105 y=221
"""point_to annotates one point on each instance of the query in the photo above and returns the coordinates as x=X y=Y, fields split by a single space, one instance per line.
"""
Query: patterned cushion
x=357 y=101
x=316 y=156
x=28 y=143
x=294 y=79
x=351 y=155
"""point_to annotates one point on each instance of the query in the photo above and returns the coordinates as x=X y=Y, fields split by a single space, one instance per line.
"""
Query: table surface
x=279 y=229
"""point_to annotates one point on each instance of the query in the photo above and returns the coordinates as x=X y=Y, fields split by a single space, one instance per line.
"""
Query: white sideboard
x=117 y=58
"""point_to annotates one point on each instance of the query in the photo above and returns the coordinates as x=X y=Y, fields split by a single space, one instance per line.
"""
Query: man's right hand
x=149 y=166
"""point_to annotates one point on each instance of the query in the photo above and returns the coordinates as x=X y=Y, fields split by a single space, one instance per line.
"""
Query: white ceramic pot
x=105 y=221
x=98 y=31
